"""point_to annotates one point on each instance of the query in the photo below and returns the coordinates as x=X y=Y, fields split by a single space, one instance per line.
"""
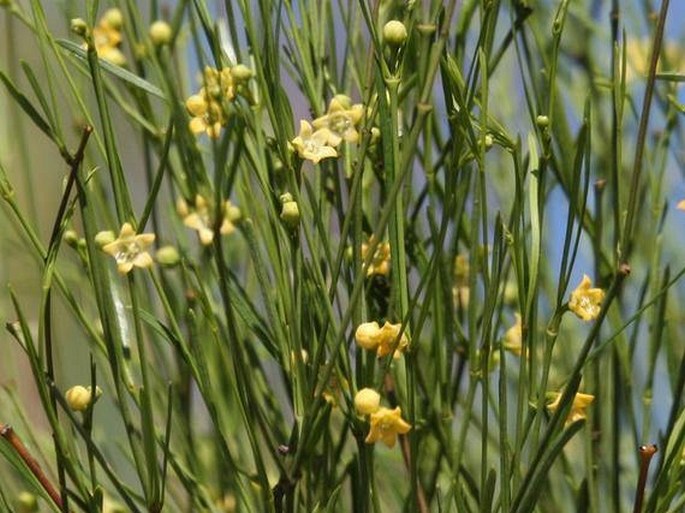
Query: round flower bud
x=26 y=503
x=241 y=73
x=366 y=335
x=367 y=401
x=78 y=397
x=79 y=26
x=70 y=237
x=113 y=18
x=290 y=214
x=105 y=237
x=488 y=141
x=160 y=33
x=395 y=33
x=542 y=121
x=168 y=256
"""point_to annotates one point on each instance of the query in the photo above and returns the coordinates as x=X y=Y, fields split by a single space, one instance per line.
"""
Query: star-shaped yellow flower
x=200 y=218
x=388 y=341
x=386 y=424
x=578 y=408
x=129 y=249
x=311 y=145
x=586 y=302
x=341 y=120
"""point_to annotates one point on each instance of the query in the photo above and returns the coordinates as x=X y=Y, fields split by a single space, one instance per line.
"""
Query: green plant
x=375 y=313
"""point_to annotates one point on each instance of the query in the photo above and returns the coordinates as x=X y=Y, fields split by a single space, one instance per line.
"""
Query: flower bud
x=160 y=33
x=394 y=33
x=290 y=214
x=366 y=335
x=113 y=18
x=542 y=121
x=79 y=27
x=367 y=401
x=105 y=237
x=168 y=256
x=79 y=397
x=241 y=73
x=70 y=237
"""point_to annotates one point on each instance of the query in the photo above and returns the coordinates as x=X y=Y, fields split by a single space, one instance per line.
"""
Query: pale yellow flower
x=586 y=302
x=388 y=341
x=386 y=424
x=638 y=55
x=380 y=263
x=200 y=218
x=129 y=249
x=367 y=401
x=681 y=205
x=513 y=338
x=311 y=145
x=341 y=120
x=578 y=408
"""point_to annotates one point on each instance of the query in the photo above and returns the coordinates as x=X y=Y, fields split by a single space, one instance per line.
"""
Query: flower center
x=339 y=123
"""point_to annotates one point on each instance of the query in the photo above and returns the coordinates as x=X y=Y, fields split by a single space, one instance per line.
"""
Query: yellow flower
x=681 y=205
x=341 y=120
x=380 y=263
x=386 y=424
x=107 y=37
x=638 y=56
x=578 y=408
x=513 y=338
x=461 y=270
x=366 y=335
x=586 y=302
x=367 y=401
x=200 y=218
x=312 y=145
x=79 y=397
x=129 y=249
x=388 y=341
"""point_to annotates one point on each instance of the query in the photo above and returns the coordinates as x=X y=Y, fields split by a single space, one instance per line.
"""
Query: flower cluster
x=385 y=423
x=129 y=249
x=107 y=37
x=586 y=302
x=319 y=140
x=384 y=340
x=208 y=106
x=201 y=218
